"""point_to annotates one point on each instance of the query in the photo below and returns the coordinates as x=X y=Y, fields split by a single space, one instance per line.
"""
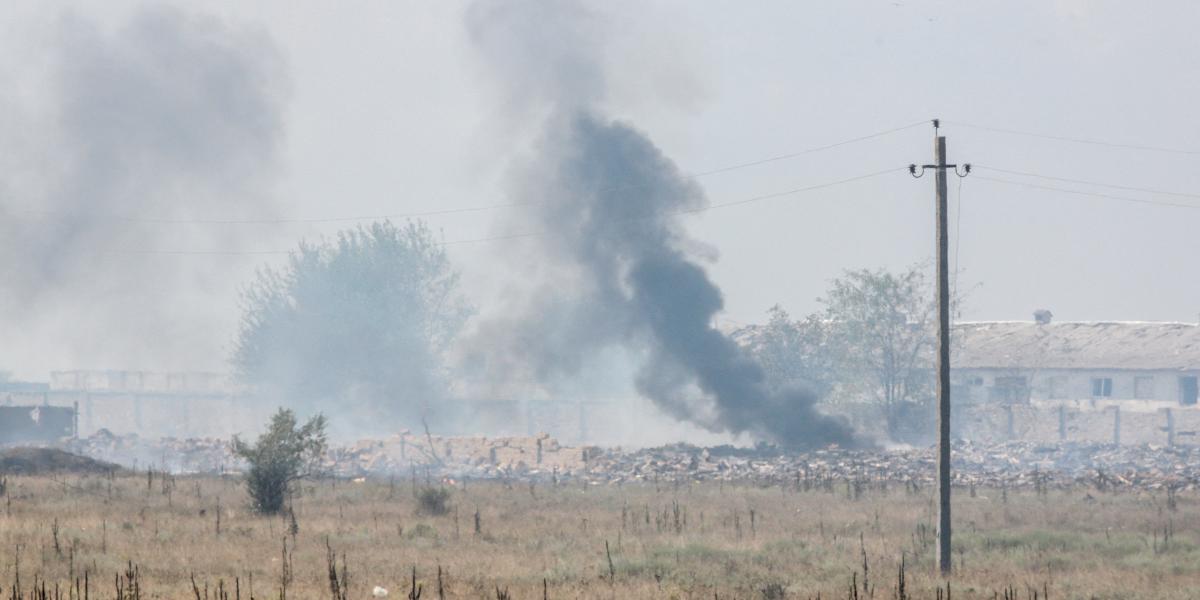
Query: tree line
x=365 y=320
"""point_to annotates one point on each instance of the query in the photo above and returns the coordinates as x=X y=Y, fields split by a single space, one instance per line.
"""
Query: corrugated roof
x=1077 y=345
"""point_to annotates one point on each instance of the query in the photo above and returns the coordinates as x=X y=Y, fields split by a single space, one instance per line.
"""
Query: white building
x=1136 y=365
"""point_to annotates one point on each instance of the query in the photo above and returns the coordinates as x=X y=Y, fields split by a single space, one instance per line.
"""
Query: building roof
x=1076 y=345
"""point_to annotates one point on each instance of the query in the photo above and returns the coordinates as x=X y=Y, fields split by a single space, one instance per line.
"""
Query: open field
x=665 y=541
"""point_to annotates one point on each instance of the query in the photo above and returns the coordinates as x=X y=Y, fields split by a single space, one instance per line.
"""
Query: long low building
x=1141 y=365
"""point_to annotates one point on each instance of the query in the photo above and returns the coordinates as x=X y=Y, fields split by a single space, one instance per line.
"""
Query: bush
x=433 y=500
x=421 y=531
x=281 y=456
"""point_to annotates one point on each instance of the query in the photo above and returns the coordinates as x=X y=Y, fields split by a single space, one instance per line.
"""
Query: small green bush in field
x=281 y=456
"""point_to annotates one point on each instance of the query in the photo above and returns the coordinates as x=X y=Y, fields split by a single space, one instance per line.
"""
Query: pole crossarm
x=918 y=170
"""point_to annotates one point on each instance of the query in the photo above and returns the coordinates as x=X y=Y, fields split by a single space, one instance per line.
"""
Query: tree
x=361 y=322
x=883 y=331
x=281 y=456
x=792 y=353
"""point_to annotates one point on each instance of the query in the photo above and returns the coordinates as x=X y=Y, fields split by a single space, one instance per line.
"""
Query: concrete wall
x=1080 y=422
x=1129 y=422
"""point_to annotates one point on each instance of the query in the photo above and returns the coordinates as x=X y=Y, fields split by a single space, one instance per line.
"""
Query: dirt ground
x=42 y=461
x=590 y=541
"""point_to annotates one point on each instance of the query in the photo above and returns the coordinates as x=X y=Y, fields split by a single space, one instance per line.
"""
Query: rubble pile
x=480 y=457
x=1011 y=465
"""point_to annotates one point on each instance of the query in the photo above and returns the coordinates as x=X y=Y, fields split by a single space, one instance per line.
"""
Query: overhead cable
x=709 y=207
x=152 y=220
x=1074 y=140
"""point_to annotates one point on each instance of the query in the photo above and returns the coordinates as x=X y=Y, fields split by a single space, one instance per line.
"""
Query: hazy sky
x=385 y=109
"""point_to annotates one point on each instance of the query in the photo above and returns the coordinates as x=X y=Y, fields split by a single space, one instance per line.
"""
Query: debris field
x=1009 y=465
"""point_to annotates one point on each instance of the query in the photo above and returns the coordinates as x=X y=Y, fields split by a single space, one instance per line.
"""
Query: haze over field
x=133 y=133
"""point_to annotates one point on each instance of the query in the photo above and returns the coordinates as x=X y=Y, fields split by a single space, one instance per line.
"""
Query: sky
x=385 y=108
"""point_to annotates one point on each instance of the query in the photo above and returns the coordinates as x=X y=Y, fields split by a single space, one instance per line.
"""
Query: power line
x=1087 y=193
x=790 y=192
x=716 y=206
x=448 y=211
x=808 y=151
x=1061 y=138
x=1085 y=182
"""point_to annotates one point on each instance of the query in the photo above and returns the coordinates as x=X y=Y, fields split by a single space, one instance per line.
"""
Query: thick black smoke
x=618 y=268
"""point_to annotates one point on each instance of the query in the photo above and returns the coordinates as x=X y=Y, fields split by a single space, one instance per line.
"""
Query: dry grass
x=696 y=541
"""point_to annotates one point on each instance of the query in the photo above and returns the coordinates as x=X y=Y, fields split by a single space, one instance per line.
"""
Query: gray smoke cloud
x=167 y=116
x=617 y=268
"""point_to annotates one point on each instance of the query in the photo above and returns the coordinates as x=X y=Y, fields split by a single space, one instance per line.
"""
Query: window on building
x=1010 y=390
x=1188 y=390
x=1102 y=387
x=1056 y=387
x=1143 y=388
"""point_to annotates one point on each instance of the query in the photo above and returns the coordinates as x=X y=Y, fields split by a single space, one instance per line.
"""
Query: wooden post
x=944 y=556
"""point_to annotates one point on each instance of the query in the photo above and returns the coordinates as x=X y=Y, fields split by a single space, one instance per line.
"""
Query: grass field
x=571 y=541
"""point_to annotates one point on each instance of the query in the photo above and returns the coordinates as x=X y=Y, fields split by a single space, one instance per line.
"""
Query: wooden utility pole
x=944 y=556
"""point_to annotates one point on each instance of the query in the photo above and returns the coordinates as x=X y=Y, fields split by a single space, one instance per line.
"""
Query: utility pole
x=944 y=556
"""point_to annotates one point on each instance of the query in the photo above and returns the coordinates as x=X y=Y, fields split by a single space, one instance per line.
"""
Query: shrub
x=421 y=530
x=280 y=457
x=433 y=500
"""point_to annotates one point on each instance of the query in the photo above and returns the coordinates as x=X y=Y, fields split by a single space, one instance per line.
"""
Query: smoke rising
x=617 y=268
x=168 y=116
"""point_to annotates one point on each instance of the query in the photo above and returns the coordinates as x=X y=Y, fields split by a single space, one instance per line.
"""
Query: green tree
x=792 y=352
x=280 y=457
x=361 y=322
x=883 y=332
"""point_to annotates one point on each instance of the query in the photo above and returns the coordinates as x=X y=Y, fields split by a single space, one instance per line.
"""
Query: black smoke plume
x=618 y=269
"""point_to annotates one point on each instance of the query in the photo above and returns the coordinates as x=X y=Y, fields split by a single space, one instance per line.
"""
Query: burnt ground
x=39 y=461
